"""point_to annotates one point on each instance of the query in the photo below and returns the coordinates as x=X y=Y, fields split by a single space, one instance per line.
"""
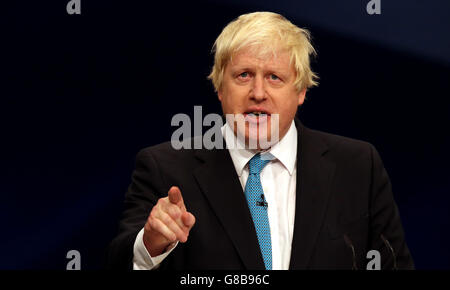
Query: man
x=308 y=200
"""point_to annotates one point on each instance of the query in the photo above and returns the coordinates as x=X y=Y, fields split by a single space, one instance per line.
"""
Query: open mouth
x=256 y=116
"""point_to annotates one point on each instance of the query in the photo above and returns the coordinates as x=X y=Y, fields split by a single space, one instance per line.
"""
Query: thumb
x=175 y=196
x=188 y=219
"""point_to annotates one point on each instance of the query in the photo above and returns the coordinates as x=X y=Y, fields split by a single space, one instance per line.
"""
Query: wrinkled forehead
x=270 y=55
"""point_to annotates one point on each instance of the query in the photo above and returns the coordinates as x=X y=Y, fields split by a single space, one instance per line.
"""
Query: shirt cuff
x=142 y=259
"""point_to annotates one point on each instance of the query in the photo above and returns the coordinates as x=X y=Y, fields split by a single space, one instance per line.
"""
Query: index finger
x=176 y=198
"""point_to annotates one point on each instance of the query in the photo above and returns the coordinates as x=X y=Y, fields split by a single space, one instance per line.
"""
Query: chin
x=256 y=141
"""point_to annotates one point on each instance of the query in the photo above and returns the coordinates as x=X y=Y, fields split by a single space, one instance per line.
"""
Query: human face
x=252 y=83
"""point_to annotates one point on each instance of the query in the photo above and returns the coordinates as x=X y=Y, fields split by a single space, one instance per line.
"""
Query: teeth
x=257 y=113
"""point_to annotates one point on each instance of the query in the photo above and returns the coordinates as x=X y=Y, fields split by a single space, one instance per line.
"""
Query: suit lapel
x=314 y=175
x=219 y=182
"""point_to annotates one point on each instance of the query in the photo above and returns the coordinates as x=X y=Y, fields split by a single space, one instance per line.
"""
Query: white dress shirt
x=278 y=179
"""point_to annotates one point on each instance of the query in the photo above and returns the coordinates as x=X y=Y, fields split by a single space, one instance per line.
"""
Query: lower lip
x=250 y=118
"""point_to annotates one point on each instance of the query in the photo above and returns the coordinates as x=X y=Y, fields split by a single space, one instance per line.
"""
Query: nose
x=258 y=89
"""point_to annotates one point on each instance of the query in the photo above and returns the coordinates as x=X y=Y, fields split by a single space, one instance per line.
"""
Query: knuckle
x=166 y=219
x=155 y=223
x=151 y=225
x=153 y=214
x=174 y=210
x=161 y=201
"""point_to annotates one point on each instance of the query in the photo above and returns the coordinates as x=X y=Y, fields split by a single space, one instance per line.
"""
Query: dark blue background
x=81 y=94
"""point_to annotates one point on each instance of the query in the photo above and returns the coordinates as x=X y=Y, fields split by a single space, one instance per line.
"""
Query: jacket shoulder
x=167 y=153
x=342 y=146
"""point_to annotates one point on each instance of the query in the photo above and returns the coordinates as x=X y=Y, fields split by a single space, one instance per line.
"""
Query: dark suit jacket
x=342 y=189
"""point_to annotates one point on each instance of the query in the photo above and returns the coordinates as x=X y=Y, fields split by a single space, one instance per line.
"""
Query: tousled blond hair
x=265 y=32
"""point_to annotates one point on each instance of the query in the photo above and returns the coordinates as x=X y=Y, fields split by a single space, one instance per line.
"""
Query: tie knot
x=256 y=164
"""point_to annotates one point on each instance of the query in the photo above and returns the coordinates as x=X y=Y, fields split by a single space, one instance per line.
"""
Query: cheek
x=287 y=102
x=287 y=108
x=233 y=97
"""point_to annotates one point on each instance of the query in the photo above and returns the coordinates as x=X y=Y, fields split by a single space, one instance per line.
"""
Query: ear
x=220 y=95
x=301 y=96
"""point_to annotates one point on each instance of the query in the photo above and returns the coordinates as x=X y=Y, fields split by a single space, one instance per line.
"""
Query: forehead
x=274 y=59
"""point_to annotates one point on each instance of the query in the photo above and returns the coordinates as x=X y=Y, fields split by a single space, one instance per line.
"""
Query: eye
x=243 y=75
x=274 y=77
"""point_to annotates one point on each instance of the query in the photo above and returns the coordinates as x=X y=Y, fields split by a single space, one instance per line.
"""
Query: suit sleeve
x=385 y=220
x=146 y=188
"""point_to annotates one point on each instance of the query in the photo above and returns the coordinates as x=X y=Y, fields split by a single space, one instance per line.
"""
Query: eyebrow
x=275 y=69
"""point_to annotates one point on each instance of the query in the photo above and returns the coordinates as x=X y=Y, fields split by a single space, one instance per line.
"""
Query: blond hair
x=264 y=32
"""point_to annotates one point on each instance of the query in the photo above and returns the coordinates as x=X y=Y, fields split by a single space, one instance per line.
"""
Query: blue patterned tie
x=258 y=207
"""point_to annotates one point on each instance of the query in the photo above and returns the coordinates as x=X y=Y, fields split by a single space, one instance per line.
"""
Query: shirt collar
x=285 y=150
